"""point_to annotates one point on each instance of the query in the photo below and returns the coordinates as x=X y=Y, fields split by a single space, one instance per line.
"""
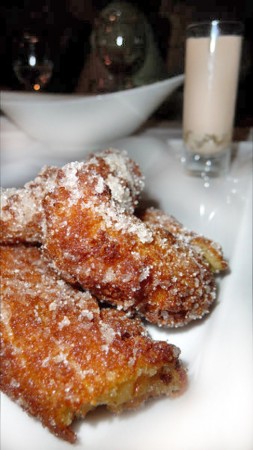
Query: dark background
x=67 y=24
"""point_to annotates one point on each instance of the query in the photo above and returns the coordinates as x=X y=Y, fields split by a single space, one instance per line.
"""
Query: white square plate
x=216 y=411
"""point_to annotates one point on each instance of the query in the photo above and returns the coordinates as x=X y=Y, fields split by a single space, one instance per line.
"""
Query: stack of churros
x=81 y=272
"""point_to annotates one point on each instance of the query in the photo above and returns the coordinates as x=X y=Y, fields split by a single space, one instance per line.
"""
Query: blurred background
x=68 y=26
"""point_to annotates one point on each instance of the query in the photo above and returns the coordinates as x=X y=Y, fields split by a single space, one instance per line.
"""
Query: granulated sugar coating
x=94 y=240
x=21 y=212
x=21 y=218
x=61 y=355
x=89 y=232
x=210 y=250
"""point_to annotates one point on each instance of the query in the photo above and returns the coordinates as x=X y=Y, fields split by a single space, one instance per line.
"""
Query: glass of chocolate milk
x=211 y=77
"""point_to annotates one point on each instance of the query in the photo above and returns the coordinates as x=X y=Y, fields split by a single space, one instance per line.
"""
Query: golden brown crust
x=62 y=356
x=86 y=225
x=210 y=250
x=21 y=216
x=92 y=240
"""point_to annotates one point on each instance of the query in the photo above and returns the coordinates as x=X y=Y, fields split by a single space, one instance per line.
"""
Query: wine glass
x=32 y=67
x=120 y=42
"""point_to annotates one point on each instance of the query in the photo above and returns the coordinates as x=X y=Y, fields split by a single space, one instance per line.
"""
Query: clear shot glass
x=212 y=63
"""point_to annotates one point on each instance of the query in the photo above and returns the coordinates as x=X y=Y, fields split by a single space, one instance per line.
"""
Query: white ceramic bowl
x=79 y=122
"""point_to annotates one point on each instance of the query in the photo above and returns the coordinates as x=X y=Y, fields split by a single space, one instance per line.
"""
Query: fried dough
x=210 y=250
x=92 y=240
x=61 y=355
x=22 y=214
x=87 y=227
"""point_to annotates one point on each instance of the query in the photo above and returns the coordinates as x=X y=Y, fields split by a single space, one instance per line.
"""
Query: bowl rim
x=60 y=97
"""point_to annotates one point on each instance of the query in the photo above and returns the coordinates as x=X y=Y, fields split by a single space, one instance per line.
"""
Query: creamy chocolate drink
x=211 y=69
